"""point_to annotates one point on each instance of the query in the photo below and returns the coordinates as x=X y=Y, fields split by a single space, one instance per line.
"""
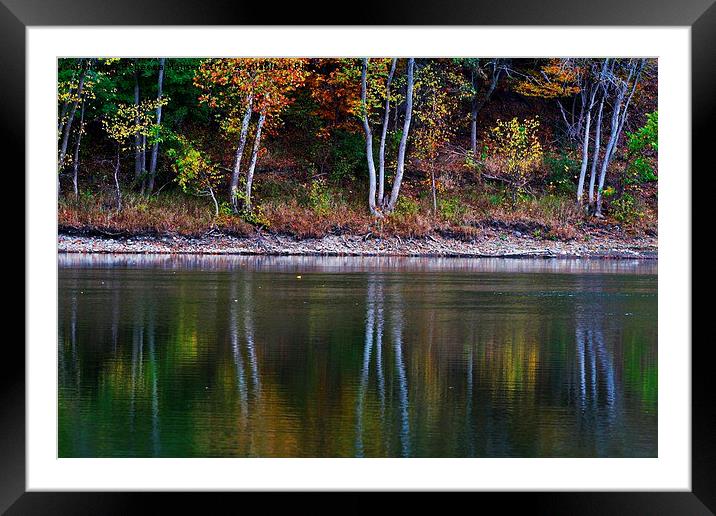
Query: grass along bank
x=490 y=221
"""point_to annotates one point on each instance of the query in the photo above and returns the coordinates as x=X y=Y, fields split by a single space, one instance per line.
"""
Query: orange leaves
x=335 y=87
x=227 y=84
x=558 y=78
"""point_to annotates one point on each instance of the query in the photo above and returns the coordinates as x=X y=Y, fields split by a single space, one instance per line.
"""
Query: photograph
x=357 y=257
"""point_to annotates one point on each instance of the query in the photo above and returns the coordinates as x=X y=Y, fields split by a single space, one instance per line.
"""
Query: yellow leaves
x=515 y=144
x=434 y=109
x=131 y=119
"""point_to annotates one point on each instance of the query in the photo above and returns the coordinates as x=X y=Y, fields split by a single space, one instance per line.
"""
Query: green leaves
x=642 y=148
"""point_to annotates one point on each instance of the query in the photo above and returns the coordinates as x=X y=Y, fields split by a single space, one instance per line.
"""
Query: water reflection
x=255 y=361
x=344 y=264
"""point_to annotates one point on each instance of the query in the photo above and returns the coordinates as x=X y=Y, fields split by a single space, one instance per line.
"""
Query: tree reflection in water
x=254 y=362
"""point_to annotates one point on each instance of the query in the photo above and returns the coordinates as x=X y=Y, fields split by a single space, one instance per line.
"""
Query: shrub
x=496 y=199
x=626 y=209
x=639 y=170
x=451 y=208
x=562 y=170
x=642 y=146
x=319 y=197
x=515 y=153
x=255 y=216
x=407 y=206
x=348 y=156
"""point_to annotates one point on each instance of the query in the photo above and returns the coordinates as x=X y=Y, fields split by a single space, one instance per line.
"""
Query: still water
x=230 y=356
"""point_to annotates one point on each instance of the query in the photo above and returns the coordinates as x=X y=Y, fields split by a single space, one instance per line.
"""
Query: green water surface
x=229 y=356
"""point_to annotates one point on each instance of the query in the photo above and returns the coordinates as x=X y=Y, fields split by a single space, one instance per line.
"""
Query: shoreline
x=487 y=246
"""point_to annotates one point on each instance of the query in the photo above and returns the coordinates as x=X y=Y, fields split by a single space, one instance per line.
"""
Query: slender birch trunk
x=155 y=147
x=595 y=159
x=585 y=149
x=76 y=160
x=137 y=135
x=368 y=140
x=143 y=161
x=618 y=118
x=473 y=126
x=477 y=106
x=68 y=125
x=116 y=182
x=216 y=204
x=381 y=151
x=636 y=72
x=65 y=106
x=234 y=185
x=254 y=156
x=608 y=151
x=404 y=139
x=433 y=189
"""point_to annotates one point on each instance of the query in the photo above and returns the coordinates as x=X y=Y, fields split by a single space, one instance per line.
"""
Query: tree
x=79 y=89
x=379 y=206
x=155 y=147
x=196 y=174
x=436 y=103
x=76 y=157
x=615 y=80
x=556 y=79
x=125 y=123
x=72 y=97
x=591 y=77
x=240 y=87
x=622 y=79
x=514 y=153
x=483 y=76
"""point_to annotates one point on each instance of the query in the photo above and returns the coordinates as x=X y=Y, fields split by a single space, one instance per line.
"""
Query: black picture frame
x=700 y=15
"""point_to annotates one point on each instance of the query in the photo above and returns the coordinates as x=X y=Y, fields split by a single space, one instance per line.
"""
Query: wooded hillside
x=403 y=146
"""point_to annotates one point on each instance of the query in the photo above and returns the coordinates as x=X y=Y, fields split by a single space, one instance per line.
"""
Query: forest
x=558 y=148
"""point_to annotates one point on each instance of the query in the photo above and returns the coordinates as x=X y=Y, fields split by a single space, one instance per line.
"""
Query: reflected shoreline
x=249 y=356
x=328 y=264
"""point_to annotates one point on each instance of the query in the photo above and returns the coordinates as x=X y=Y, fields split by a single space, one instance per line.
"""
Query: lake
x=255 y=356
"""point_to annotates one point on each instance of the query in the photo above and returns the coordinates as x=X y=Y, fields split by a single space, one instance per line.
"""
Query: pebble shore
x=505 y=245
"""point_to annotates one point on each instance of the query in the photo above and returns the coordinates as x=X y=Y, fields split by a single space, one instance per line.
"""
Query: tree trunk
x=381 y=151
x=404 y=139
x=254 y=156
x=137 y=135
x=608 y=151
x=618 y=119
x=477 y=106
x=116 y=182
x=636 y=73
x=155 y=147
x=234 y=185
x=585 y=150
x=216 y=204
x=368 y=140
x=434 y=190
x=65 y=106
x=595 y=159
x=473 y=126
x=68 y=125
x=76 y=161
x=143 y=161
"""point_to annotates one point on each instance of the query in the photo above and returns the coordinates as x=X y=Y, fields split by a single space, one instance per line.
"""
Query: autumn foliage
x=257 y=141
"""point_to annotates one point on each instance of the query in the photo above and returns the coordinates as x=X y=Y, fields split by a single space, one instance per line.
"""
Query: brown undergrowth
x=488 y=213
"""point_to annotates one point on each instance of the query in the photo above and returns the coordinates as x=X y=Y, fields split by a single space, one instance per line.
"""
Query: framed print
x=388 y=256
